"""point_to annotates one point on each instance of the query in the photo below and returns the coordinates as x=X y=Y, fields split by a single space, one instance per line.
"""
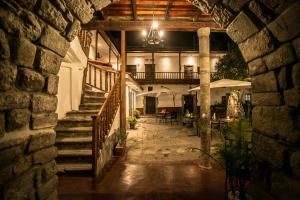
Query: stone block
x=52 y=15
x=53 y=196
x=295 y=163
x=4 y=46
x=48 y=171
x=23 y=52
x=22 y=165
x=47 y=62
x=10 y=156
x=73 y=30
x=264 y=83
x=296 y=45
x=43 y=103
x=47 y=188
x=292 y=97
x=27 y=3
x=286 y=26
x=21 y=187
x=296 y=75
x=11 y=100
x=278 y=6
x=8 y=74
x=51 y=39
x=6 y=174
x=268 y=150
x=17 y=118
x=52 y=84
x=274 y=121
x=25 y=24
x=2 y=125
x=222 y=15
x=282 y=56
x=44 y=120
x=257 y=67
x=41 y=140
x=241 y=28
x=258 y=45
x=99 y=4
x=283 y=79
x=45 y=155
x=30 y=80
x=82 y=9
x=235 y=5
x=261 y=11
x=284 y=187
x=266 y=99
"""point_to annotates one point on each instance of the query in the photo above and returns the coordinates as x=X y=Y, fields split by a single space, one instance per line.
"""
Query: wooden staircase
x=74 y=135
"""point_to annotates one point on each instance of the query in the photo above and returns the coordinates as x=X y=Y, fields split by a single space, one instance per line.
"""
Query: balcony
x=166 y=77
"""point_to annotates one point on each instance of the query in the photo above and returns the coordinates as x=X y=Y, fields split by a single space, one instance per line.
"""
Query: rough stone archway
x=35 y=35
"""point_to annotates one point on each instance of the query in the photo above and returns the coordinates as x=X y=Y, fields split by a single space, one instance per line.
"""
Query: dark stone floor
x=177 y=181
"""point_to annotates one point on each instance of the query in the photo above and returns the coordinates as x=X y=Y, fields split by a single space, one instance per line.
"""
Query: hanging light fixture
x=154 y=36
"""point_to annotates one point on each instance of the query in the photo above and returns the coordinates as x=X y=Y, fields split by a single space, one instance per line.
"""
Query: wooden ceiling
x=141 y=10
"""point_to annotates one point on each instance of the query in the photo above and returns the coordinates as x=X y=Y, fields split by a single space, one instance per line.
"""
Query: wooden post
x=204 y=63
x=123 y=83
x=179 y=64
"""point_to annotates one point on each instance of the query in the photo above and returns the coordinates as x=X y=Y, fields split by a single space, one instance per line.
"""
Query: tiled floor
x=159 y=167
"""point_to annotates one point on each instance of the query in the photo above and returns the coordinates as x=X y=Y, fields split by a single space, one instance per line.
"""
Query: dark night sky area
x=173 y=41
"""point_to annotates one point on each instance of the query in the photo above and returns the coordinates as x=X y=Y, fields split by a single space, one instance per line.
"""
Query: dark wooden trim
x=167 y=15
x=133 y=5
x=107 y=25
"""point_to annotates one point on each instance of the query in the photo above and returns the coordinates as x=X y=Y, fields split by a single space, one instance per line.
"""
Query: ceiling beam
x=106 y=25
x=134 y=15
x=168 y=9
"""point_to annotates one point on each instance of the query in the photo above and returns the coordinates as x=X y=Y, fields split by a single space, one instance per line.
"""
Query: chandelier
x=154 y=36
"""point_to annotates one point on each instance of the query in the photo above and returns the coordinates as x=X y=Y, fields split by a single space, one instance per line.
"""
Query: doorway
x=188 y=103
x=149 y=71
x=150 y=105
x=188 y=71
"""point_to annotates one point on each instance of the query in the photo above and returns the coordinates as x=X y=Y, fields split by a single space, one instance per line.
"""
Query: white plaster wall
x=70 y=79
x=92 y=51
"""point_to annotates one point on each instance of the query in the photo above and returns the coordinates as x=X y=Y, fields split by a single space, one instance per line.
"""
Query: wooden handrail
x=165 y=75
x=103 y=121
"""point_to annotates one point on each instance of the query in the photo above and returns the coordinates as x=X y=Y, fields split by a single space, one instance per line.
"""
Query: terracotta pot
x=132 y=126
x=119 y=151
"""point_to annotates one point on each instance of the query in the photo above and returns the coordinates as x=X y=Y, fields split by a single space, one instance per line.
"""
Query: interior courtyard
x=149 y=99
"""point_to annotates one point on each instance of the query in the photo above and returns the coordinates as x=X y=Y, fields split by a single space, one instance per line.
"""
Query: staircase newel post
x=95 y=140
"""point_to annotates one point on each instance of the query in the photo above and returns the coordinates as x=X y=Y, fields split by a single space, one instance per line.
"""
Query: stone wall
x=34 y=37
x=268 y=35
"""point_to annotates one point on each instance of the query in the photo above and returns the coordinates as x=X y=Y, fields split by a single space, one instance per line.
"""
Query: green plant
x=122 y=136
x=137 y=114
x=234 y=151
x=189 y=115
x=132 y=120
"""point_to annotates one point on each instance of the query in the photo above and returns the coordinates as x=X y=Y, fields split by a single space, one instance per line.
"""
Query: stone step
x=94 y=93
x=74 y=168
x=75 y=122
x=90 y=106
x=75 y=142
x=73 y=131
x=93 y=99
x=74 y=156
x=82 y=113
x=87 y=87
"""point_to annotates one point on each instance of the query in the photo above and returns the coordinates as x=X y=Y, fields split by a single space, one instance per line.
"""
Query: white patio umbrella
x=227 y=83
x=156 y=92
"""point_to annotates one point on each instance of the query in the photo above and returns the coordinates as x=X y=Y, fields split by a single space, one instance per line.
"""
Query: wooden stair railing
x=103 y=121
x=85 y=39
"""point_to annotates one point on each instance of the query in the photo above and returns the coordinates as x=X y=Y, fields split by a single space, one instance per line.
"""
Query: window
x=150 y=88
x=248 y=97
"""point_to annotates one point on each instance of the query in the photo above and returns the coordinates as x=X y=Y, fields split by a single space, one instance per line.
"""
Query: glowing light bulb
x=161 y=33
x=144 y=33
x=155 y=25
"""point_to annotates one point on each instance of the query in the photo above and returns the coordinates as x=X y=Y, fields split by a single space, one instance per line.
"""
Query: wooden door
x=188 y=71
x=188 y=103
x=150 y=105
x=149 y=71
x=131 y=69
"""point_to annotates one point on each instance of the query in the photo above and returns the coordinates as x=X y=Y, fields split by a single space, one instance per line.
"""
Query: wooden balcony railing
x=100 y=77
x=166 y=77
x=103 y=121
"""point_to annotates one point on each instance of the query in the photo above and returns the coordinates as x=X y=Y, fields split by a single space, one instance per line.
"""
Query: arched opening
x=34 y=37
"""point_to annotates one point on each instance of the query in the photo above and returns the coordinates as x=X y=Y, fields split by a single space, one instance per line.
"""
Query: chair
x=172 y=117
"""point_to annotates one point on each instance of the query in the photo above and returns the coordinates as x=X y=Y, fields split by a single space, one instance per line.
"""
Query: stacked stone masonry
x=267 y=32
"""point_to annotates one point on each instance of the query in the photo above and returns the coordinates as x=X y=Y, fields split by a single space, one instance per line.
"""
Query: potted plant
x=188 y=119
x=132 y=121
x=137 y=114
x=233 y=150
x=121 y=145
